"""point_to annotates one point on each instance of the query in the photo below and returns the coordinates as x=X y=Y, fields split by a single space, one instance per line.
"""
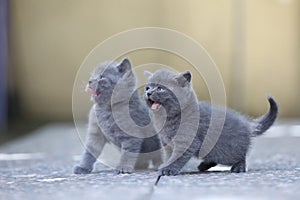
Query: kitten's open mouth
x=155 y=105
x=91 y=91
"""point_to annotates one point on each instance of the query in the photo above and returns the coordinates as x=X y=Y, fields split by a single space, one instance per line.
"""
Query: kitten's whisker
x=83 y=82
x=82 y=86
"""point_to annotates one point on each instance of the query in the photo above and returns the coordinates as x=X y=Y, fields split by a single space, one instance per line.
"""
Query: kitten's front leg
x=86 y=165
x=177 y=161
x=167 y=152
x=127 y=162
x=93 y=147
x=129 y=155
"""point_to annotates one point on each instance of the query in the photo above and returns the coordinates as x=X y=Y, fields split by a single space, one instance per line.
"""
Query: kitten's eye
x=160 y=89
x=147 y=88
x=100 y=77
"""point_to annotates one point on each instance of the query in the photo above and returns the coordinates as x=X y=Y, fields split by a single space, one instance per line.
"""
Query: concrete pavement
x=39 y=166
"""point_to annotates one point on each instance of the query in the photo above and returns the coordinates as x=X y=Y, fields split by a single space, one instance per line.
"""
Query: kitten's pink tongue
x=91 y=91
x=155 y=105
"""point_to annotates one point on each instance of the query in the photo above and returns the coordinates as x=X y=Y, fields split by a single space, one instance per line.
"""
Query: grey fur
x=108 y=121
x=163 y=88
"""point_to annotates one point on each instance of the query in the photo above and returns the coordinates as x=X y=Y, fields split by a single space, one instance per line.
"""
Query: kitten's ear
x=184 y=78
x=148 y=74
x=124 y=65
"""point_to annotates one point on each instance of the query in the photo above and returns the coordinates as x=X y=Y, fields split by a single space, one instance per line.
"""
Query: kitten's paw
x=124 y=170
x=238 y=167
x=168 y=171
x=81 y=170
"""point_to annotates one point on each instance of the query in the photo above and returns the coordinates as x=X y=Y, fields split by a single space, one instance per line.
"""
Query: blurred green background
x=255 y=44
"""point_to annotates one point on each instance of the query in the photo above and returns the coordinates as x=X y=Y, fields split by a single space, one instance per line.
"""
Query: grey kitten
x=161 y=92
x=114 y=93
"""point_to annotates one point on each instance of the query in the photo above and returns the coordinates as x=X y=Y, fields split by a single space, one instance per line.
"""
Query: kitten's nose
x=90 y=82
x=149 y=94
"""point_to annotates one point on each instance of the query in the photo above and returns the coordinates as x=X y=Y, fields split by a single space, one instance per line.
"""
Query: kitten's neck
x=187 y=114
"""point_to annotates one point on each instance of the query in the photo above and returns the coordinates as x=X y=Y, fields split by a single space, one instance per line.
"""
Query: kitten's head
x=168 y=89
x=106 y=76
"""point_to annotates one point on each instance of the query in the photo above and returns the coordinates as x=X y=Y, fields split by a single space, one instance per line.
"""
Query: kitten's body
x=113 y=88
x=235 y=138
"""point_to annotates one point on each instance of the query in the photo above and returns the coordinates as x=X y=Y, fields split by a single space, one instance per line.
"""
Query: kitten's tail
x=264 y=122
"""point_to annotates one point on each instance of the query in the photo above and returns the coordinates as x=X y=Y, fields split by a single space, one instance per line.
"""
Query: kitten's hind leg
x=206 y=165
x=239 y=167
